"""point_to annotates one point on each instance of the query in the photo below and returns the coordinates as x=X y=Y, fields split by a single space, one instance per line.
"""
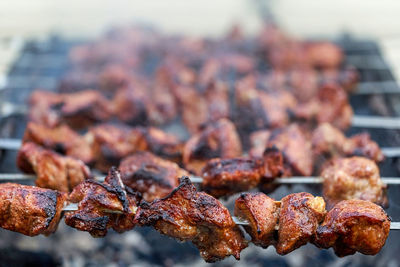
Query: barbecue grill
x=41 y=64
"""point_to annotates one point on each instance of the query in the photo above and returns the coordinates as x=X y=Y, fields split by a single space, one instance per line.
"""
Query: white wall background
x=306 y=17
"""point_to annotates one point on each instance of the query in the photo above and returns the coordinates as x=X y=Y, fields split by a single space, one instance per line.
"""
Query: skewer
x=199 y=180
x=74 y=206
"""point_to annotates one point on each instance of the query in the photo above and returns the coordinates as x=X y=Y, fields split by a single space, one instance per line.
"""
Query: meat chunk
x=299 y=217
x=188 y=215
x=258 y=142
x=258 y=109
x=331 y=105
x=30 y=210
x=223 y=177
x=353 y=178
x=110 y=143
x=217 y=140
x=103 y=205
x=262 y=214
x=130 y=105
x=61 y=139
x=295 y=147
x=53 y=170
x=323 y=55
x=150 y=175
x=163 y=144
x=78 y=110
x=330 y=142
x=354 y=226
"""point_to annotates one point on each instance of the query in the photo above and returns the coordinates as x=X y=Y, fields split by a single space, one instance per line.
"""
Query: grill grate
x=41 y=65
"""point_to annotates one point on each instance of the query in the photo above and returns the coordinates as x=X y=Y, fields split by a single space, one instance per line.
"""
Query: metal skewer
x=199 y=180
x=74 y=206
x=15 y=144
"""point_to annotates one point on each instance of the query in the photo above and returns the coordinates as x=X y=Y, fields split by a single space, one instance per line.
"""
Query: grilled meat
x=299 y=217
x=61 y=139
x=222 y=177
x=331 y=105
x=130 y=104
x=30 y=210
x=217 y=140
x=53 y=170
x=353 y=178
x=329 y=142
x=262 y=214
x=103 y=205
x=150 y=175
x=354 y=226
x=188 y=215
x=295 y=147
x=110 y=143
x=258 y=109
x=78 y=110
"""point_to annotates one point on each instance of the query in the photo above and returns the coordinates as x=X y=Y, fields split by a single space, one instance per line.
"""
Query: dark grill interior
x=41 y=64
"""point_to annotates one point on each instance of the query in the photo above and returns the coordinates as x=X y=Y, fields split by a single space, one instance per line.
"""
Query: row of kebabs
x=253 y=108
x=148 y=157
x=188 y=215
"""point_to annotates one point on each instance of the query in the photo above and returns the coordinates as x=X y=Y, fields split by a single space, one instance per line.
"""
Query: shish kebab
x=189 y=215
x=155 y=177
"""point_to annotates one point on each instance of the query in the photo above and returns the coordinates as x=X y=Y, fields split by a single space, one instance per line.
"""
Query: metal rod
x=199 y=180
x=382 y=87
x=375 y=122
x=74 y=206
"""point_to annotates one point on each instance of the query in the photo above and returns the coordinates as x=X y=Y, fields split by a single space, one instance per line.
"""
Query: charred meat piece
x=103 y=205
x=258 y=142
x=30 y=210
x=53 y=170
x=162 y=107
x=130 y=104
x=78 y=110
x=163 y=144
x=216 y=95
x=110 y=143
x=353 y=178
x=299 y=217
x=354 y=226
x=150 y=175
x=262 y=213
x=331 y=105
x=223 y=177
x=188 y=215
x=330 y=142
x=258 y=109
x=217 y=140
x=295 y=147
x=61 y=139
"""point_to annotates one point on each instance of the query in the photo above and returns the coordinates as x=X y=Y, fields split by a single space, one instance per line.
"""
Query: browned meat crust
x=61 y=139
x=223 y=177
x=110 y=143
x=150 y=175
x=188 y=215
x=329 y=142
x=262 y=214
x=299 y=217
x=217 y=140
x=30 y=210
x=78 y=110
x=354 y=225
x=353 y=178
x=102 y=206
x=295 y=147
x=53 y=170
